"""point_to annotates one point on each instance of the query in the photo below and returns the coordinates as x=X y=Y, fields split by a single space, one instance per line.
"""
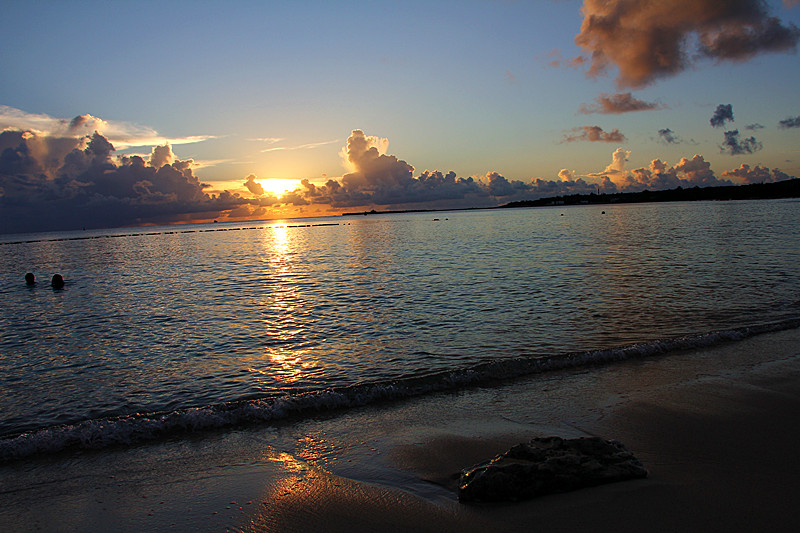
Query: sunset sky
x=123 y=113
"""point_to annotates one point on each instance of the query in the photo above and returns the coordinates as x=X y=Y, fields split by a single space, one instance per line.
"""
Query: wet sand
x=716 y=428
x=719 y=437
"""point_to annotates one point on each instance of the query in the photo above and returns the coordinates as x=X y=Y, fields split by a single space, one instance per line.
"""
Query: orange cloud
x=614 y=104
x=648 y=40
x=594 y=134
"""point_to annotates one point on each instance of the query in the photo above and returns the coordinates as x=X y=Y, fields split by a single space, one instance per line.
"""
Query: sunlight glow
x=286 y=315
x=278 y=186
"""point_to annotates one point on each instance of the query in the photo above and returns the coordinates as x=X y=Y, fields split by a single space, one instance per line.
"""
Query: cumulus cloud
x=689 y=172
x=375 y=178
x=649 y=40
x=618 y=160
x=694 y=172
x=121 y=134
x=73 y=181
x=162 y=155
x=613 y=104
x=791 y=122
x=757 y=174
x=723 y=113
x=379 y=179
x=565 y=174
x=594 y=134
x=736 y=146
x=253 y=186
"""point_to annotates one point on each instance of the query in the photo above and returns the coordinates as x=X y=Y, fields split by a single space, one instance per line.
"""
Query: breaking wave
x=140 y=427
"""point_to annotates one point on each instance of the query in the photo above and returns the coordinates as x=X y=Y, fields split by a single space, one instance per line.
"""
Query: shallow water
x=169 y=318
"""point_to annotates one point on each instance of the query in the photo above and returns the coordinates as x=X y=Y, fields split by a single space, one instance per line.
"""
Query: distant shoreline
x=754 y=191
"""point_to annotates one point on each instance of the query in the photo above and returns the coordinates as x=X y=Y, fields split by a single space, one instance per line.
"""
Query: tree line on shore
x=754 y=191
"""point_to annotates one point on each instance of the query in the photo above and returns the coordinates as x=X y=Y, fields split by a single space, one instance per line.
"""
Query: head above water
x=29 y=278
x=58 y=281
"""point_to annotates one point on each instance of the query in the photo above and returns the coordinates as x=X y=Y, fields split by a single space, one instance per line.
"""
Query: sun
x=278 y=186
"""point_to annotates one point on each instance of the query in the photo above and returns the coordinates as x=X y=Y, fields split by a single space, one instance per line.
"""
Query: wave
x=136 y=428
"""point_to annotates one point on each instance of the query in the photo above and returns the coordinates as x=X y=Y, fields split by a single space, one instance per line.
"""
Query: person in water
x=58 y=281
x=30 y=279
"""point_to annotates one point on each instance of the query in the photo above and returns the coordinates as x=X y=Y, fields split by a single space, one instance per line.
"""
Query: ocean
x=176 y=331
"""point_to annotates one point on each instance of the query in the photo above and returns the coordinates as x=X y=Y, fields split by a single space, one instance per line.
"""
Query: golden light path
x=283 y=307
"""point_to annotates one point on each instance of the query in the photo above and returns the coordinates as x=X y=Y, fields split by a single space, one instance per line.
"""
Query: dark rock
x=548 y=465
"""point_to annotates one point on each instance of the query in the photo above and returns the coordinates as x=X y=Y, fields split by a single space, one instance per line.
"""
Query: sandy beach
x=716 y=429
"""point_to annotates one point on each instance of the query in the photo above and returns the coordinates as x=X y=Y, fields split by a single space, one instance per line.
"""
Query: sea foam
x=141 y=427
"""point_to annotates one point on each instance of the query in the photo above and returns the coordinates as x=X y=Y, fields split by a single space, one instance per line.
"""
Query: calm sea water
x=203 y=325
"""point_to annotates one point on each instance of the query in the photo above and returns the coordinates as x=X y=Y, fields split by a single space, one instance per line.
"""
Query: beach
x=714 y=427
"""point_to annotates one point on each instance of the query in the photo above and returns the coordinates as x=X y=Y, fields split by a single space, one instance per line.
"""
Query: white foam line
x=96 y=434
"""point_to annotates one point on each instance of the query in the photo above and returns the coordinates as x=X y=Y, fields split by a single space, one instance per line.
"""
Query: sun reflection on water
x=284 y=309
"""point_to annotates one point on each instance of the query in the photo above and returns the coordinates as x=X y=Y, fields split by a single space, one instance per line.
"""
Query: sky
x=128 y=113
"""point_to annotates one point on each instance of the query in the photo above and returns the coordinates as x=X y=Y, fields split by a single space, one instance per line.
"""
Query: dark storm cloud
x=594 y=134
x=736 y=146
x=613 y=104
x=649 y=40
x=63 y=183
x=791 y=122
x=723 y=113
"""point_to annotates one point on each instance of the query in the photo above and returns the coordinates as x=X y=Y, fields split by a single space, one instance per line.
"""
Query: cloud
x=649 y=40
x=612 y=104
x=618 y=160
x=755 y=126
x=723 y=113
x=378 y=179
x=67 y=183
x=253 y=186
x=73 y=182
x=735 y=146
x=555 y=59
x=121 y=134
x=667 y=136
x=381 y=180
x=791 y=122
x=757 y=174
x=299 y=147
x=694 y=172
x=594 y=134
x=268 y=140
x=162 y=155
